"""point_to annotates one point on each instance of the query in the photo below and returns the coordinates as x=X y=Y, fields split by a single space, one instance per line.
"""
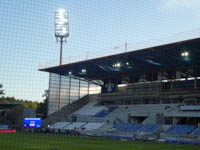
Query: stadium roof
x=153 y=59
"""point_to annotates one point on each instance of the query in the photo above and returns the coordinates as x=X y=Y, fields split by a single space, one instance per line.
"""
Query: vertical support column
x=48 y=106
x=175 y=120
x=161 y=83
x=151 y=76
x=69 y=88
x=151 y=82
x=59 y=91
x=79 y=84
x=172 y=82
x=161 y=88
x=195 y=78
x=88 y=88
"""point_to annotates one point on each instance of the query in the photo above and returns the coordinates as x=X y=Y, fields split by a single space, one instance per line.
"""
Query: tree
x=25 y=105
x=42 y=108
x=1 y=91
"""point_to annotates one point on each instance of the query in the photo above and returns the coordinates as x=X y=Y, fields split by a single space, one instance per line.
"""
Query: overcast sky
x=97 y=27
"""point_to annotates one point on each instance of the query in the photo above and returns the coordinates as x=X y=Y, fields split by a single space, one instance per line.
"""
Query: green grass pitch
x=29 y=141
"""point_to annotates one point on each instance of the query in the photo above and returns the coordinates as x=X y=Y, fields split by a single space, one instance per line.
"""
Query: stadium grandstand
x=147 y=94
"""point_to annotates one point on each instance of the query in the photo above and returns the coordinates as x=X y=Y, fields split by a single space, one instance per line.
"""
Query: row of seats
x=76 y=125
x=181 y=141
x=90 y=109
x=59 y=125
x=127 y=127
x=149 y=128
x=119 y=137
x=181 y=129
x=197 y=132
x=93 y=126
x=104 y=112
x=112 y=108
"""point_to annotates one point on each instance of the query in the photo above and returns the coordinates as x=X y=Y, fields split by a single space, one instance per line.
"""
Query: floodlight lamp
x=127 y=63
x=61 y=20
x=64 y=31
x=117 y=65
x=83 y=70
x=60 y=11
x=185 y=54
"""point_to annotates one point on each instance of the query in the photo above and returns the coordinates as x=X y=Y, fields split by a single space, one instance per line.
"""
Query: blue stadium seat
x=181 y=129
x=113 y=107
x=184 y=142
x=197 y=143
x=102 y=113
x=119 y=137
x=169 y=140
x=149 y=128
x=197 y=132
x=127 y=127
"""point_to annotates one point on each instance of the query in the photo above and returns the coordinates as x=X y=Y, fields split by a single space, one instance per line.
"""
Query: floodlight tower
x=61 y=21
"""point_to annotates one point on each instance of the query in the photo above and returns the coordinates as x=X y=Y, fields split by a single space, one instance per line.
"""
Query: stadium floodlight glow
x=185 y=54
x=117 y=65
x=69 y=72
x=61 y=21
x=127 y=63
x=83 y=70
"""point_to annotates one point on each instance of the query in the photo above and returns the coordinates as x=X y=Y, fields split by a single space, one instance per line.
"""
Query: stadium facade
x=152 y=93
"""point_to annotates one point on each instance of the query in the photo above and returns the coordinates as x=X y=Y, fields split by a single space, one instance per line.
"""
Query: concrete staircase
x=62 y=115
x=150 y=119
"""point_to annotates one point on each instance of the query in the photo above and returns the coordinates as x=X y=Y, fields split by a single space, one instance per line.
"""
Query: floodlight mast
x=61 y=21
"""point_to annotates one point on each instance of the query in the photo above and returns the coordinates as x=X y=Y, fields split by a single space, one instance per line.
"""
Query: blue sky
x=97 y=27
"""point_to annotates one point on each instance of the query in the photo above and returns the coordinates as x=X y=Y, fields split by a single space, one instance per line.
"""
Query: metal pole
x=79 y=89
x=59 y=94
x=70 y=80
x=61 y=46
x=48 y=105
x=195 y=78
x=126 y=45
x=88 y=88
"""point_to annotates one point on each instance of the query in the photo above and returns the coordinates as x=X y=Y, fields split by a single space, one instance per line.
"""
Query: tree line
x=40 y=107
